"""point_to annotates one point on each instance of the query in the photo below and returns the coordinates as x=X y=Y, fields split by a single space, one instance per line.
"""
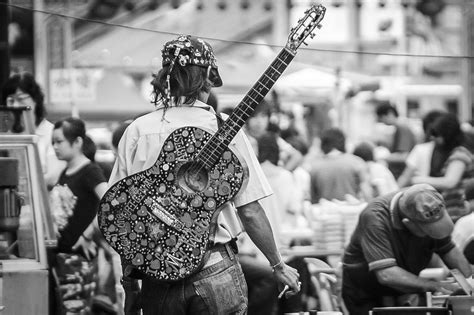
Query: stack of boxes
x=333 y=224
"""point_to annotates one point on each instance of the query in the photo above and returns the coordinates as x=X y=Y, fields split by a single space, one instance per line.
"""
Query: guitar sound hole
x=192 y=177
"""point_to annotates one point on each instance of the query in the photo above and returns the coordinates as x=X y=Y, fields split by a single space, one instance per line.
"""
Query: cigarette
x=286 y=288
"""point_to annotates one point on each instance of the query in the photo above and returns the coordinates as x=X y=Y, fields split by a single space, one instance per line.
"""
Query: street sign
x=73 y=85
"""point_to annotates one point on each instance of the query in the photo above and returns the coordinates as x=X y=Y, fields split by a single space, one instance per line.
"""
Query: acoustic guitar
x=159 y=220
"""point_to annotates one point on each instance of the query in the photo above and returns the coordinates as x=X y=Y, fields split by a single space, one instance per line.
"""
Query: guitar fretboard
x=214 y=148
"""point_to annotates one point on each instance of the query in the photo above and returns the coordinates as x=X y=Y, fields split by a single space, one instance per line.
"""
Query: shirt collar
x=197 y=103
x=395 y=212
x=43 y=128
x=200 y=104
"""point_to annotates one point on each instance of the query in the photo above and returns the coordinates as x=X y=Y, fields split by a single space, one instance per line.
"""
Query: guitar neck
x=214 y=148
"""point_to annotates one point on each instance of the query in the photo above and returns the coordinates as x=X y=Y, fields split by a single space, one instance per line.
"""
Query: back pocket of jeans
x=224 y=293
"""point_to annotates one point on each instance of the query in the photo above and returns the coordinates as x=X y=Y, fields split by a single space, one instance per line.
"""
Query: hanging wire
x=239 y=42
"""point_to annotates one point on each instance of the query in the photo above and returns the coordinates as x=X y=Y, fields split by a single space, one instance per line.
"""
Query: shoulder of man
x=378 y=209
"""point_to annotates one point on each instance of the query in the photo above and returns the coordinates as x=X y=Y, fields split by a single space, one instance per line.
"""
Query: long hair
x=268 y=148
x=428 y=120
x=185 y=82
x=89 y=148
x=384 y=108
x=447 y=126
x=26 y=83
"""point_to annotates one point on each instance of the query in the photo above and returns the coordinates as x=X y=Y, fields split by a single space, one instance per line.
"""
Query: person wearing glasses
x=21 y=89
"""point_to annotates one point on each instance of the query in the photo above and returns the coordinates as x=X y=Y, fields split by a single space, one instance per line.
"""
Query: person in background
x=427 y=123
x=181 y=89
x=463 y=234
x=283 y=209
x=403 y=139
x=86 y=184
x=301 y=176
x=258 y=124
x=380 y=177
x=394 y=240
x=338 y=173
x=418 y=161
x=451 y=164
x=21 y=89
x=84 y=178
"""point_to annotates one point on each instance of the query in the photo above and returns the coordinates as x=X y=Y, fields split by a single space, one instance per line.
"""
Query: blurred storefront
x=119 y=56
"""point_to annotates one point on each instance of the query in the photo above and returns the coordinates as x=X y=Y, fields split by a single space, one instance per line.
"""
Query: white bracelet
x=276 y=265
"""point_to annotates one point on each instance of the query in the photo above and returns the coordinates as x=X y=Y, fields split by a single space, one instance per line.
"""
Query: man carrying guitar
x=181 y=89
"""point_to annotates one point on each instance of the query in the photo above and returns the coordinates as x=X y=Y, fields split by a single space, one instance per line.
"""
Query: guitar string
x=212 y=156
x=279 y=62
x=216 y=155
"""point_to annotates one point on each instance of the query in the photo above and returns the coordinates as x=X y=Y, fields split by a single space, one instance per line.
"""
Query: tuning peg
x=319 y=26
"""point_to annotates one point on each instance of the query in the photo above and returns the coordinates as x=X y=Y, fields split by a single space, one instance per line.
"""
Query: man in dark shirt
x=394 y=240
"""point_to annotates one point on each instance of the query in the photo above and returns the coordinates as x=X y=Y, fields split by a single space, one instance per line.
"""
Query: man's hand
x=87 y=246
x=286 y=275
x=445 y=288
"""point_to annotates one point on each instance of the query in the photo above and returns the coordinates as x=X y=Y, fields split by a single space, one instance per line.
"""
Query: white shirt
x=302 y=181
x=381 y=178
x=48 y=158
x=282 y=203
x=44 y=131
x=463 y=231
x=419 y=158
x=141 y=145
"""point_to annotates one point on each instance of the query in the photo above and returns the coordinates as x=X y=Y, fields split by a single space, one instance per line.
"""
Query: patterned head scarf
x=190 y=50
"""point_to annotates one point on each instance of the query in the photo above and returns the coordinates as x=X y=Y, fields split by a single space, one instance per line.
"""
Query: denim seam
x=236 y=276
x=221 y=265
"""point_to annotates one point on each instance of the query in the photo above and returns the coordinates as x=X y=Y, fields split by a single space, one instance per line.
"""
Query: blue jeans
x=217 y=289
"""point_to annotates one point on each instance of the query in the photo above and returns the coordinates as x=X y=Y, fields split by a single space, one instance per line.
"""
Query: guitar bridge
x=166 y=217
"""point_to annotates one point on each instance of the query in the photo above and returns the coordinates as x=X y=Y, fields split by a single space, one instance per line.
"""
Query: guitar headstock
x=312 y=19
